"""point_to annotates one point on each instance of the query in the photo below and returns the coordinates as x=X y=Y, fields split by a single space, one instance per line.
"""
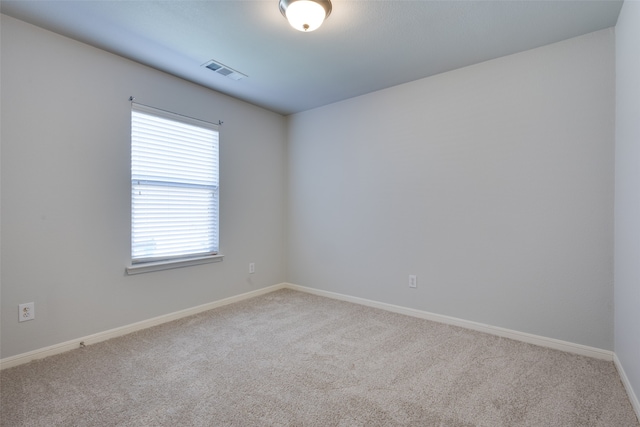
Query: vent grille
x=224 y=70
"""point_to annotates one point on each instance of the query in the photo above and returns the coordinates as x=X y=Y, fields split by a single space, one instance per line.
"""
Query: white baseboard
x=19 y=359
x=127 y=329
x=627 y=385
x=569 y=347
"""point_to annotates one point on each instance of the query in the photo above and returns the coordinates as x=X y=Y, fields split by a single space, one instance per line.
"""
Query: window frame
x=175 y=260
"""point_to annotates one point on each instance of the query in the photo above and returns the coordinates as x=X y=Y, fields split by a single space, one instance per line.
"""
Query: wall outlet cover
x=413 y=281
x=26 y=312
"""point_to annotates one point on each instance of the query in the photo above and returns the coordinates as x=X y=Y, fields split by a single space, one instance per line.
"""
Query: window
x=174 y=188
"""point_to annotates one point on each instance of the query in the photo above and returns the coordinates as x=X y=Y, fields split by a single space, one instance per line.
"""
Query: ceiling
x=364 y=45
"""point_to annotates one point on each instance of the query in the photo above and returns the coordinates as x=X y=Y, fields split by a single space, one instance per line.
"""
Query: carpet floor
x=289 y=358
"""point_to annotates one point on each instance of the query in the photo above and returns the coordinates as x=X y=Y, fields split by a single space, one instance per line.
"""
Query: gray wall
x=627 y=208
x=66 y=191
x=492 y=183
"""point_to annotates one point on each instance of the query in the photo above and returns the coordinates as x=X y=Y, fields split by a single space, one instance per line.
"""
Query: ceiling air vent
x=224 y=70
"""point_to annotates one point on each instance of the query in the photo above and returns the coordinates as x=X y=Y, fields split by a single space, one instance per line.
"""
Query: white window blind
x=174 y=186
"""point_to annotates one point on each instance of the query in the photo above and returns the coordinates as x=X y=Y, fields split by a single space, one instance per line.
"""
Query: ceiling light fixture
x=305 y=15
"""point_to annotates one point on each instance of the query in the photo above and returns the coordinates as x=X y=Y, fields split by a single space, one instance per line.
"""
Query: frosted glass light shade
x=305 y=15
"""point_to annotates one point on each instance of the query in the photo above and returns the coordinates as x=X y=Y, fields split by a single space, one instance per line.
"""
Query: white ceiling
x=363 y=46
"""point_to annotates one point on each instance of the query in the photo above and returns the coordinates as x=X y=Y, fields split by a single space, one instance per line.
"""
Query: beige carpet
x=293 y=359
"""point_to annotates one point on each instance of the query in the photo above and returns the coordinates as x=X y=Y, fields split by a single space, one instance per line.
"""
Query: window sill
x=148 y=267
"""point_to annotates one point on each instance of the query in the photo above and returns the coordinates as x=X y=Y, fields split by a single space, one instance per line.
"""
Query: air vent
x=224 y=70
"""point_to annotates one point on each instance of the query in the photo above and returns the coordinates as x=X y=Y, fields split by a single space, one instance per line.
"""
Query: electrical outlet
x=252 y=267
x=413 y=281
x=26 y=312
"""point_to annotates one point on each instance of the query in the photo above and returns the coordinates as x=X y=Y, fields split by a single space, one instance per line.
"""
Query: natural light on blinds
x=174 y=186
